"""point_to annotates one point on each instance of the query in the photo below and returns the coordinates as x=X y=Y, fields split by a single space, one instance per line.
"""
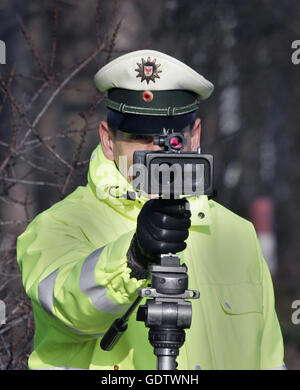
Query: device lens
x=176 y=143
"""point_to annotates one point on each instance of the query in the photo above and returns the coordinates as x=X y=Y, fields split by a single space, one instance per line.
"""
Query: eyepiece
x=159 y=140
x=173 y=141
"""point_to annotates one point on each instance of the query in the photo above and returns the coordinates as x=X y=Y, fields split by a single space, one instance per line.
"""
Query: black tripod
x=166 y=315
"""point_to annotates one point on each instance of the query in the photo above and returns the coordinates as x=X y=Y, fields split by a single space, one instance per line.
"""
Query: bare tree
x=40 y=150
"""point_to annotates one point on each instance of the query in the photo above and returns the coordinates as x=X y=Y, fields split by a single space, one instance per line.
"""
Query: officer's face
x=121 y=146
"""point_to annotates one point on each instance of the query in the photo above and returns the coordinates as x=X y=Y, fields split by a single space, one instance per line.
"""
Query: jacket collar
x=110 y=186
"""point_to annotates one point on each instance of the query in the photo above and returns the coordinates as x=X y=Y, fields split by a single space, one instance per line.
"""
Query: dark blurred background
x=50 y=112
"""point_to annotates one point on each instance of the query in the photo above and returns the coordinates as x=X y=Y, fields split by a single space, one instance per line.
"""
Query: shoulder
x=80 y=216
x=73 y=208
x=223 y=217
x=60 y=216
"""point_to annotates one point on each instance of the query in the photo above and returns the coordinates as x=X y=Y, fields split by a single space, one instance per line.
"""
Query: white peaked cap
x=167 y=73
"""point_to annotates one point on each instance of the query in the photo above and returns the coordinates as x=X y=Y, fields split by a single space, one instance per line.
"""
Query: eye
x=144 y=138
x=141 y=138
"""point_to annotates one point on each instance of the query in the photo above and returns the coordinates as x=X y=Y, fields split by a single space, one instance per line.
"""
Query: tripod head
x=168 y=313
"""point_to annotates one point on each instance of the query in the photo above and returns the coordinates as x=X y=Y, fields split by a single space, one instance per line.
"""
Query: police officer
x=84 y=260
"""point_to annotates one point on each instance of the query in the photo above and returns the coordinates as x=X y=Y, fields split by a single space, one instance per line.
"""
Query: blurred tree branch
x=39 y=148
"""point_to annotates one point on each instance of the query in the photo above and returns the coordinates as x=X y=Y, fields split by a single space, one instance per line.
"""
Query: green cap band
x=163 y=103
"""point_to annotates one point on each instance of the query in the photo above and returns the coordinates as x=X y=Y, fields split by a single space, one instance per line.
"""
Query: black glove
x=162 y=227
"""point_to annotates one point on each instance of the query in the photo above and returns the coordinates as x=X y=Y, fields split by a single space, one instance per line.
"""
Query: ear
x=106 y=140
x=196 y=133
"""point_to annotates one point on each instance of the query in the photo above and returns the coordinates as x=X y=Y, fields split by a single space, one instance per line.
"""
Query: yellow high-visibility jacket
x=74 y=269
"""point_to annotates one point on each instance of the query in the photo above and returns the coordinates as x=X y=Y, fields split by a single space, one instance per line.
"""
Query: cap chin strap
x=168 y=111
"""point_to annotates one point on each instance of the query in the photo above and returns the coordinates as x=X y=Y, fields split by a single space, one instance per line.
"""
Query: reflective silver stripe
x=46 y=292
x=283 y=367
x=46 y=297
x=91 y=288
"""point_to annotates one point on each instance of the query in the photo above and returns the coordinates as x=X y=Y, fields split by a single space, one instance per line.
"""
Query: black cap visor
x=148 y=124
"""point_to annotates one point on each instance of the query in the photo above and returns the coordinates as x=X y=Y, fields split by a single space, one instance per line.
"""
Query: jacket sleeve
x=80 y=285
x=272 y=349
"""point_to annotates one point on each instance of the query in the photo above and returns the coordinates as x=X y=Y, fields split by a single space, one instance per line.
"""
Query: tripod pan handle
x=113 y=334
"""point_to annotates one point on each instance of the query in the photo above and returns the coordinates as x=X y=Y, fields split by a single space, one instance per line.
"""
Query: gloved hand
x=162 y=227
